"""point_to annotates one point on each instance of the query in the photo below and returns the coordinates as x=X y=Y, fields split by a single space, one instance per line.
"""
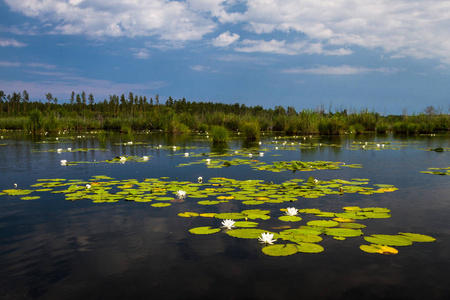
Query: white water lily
x=88 y=186
x=291 y=211
x=261 y=154
x=228 y=224
x=200 y=179
x=250 y=155
x=145 y=158
x=69 y=149
x=267 y=238
x=186 y=154
x=181 y=194
x=15 y=185
x=63 y=162
x=208 y=161
x=59 y=150
x=123 y=159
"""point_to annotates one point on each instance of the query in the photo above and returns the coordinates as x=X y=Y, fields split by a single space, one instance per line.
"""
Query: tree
x=49 y=98
x=83 y=98
x=25 y=99
x=72 y=98
x=91 y=100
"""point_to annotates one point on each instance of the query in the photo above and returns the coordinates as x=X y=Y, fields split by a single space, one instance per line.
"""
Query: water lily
x=186 y=154
x=228 y=224
x=69 y=149
x=181 y=194
x=145 y=158
x=200 y=179
x=291 y=211
x=267 y=238
x=261 y=154
x=15 y=185
x=123 y=159
x=59 y=150
x=88 y=186
x=208 y=161
x=63 y=162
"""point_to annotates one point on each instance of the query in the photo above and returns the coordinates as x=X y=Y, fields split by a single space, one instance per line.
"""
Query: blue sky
x=390 y=56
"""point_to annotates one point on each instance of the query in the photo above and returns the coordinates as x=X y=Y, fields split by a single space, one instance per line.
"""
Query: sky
x=388 y=56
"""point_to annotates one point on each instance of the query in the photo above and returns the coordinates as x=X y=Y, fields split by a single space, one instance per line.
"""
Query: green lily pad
x=188 y=214
x=204 y=230
x=280 y=250
x=30 y=197
x=309 y=248
x=245 y=224
x=232 y=216
x=17 y=192
x=323 y=223
x=246 y=233
x=380 y=249
x=208 y=202
x=290 y=218
x=388 y=240
x=160 y=204
x=416 y=237
x=343 y=232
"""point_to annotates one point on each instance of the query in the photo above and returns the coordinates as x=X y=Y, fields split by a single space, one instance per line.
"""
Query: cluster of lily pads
x=437 y=171
x=249 y=192
x=277 y=166
x=305 y=238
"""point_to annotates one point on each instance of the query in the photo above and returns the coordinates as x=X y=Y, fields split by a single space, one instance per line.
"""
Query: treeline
x=134 y=112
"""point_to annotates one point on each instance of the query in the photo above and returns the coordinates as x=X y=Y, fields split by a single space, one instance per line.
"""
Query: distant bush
x=219 y=134
x=250 y=130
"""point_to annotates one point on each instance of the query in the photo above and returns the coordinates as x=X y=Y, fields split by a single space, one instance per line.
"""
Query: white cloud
x=225 y=39
x=281 y=47
x=339 y=70
x=11 y=43
x=141 y=53
x=169 y=20
x=419 y=29
x=202 y=68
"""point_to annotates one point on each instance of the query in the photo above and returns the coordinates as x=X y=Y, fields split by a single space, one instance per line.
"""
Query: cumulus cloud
x=339 y=70
x=169 y=20
x=401 y=28
x=225 y=39
x=11 y=43
x=281 y=47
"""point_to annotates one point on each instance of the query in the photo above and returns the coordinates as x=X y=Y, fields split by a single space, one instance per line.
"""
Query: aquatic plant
x=267 y=238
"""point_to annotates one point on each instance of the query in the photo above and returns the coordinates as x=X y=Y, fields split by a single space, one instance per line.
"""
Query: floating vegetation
x=248 y=223
x=116 y=160
x=61 y=150
x=305 y=238
x=437 y=171
x=279 y=166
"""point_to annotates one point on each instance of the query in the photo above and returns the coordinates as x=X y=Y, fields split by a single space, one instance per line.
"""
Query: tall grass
x=219 y=134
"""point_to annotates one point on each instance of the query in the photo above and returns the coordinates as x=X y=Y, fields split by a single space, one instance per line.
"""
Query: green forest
x=136 y=113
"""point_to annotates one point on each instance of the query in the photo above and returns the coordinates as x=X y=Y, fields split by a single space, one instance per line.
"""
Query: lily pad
x=416 y=237
x=381 y=249
x=388 y=240
x=343 y=232
x=246 y=233
x=290 y=218
x=309 y=248
x=280 y=250
x=323 y=223
x=204 y=230
x=160 y=204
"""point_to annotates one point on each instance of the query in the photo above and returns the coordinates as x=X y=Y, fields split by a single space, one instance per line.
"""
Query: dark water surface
x=51 y=248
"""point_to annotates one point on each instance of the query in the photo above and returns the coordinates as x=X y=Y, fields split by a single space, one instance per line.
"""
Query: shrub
x=250 y=130
x=219 y=134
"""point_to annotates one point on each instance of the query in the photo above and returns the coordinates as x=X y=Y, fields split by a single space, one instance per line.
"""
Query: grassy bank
x=183 y=116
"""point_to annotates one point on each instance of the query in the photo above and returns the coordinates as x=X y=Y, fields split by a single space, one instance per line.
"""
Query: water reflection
x=51 y=248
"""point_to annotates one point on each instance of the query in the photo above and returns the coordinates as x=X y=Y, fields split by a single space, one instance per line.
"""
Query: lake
x=55 y=248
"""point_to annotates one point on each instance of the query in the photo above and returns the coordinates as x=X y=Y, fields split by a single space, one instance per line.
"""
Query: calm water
x=52 y=248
